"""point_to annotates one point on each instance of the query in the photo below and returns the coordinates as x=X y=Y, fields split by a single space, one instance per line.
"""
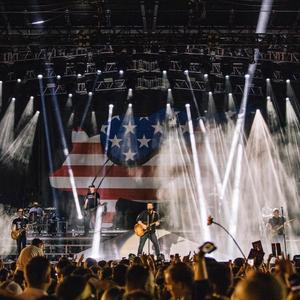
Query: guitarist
x=20 y=224
x=146 y=218
x=91 y=202
x=275 y=226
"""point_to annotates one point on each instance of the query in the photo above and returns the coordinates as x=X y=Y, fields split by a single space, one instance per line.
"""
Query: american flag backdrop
x=130 y=164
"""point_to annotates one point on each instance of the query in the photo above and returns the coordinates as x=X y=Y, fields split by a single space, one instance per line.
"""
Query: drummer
x=36 y=214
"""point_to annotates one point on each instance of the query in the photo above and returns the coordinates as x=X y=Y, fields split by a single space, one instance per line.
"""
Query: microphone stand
x=283 y=230
x=148 y=221
x=100 y=171
x=211 y=221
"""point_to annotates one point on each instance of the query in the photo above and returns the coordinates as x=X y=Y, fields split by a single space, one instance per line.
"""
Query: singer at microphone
x=149 y=219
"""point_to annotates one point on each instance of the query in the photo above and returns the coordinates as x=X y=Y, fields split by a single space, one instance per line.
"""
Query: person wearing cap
x=275 y=226
x=91 y=202
x=20 y=224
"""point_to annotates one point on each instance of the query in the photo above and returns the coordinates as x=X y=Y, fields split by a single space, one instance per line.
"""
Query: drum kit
x=43 y=223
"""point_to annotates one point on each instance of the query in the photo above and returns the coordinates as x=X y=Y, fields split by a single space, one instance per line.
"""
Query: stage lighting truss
x=143 y=70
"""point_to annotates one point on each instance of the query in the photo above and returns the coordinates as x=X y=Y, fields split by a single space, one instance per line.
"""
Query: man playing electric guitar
x=148 y=219
x=19 y=226
x=275 y=226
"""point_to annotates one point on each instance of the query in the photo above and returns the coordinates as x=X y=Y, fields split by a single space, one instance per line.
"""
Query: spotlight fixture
x=40 y=76
x=205 y=76
x=288 y=81
x=110 y=105
x=99 y=72
x=164 y=72
x=19 y=80
x=209 y=93
x=247 y=76
x=13 y=99
x=79 y=75
x=70 y=95
x=129 y=105
x=58 y=77
x=268 y=79
x=31 y=98
x=229 y=94
x=38 y=22
x=227 y=77
x=90 y=94
x=287 y=99
x=186 y=72
x=268 y=98
x=187 y=105
x=169 y=90
x=121 y=72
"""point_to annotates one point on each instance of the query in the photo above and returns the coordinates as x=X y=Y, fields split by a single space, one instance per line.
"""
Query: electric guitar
x=140 y=231
x=274 y=230
x=16 y=233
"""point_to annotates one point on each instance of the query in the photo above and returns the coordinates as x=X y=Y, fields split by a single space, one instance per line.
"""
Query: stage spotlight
x=229 y=94
x=205 y=76
x=268 y=98
x=268 y=79
x=247 y=76
x=288 y=81
x=70 y=95
x=227 y=77
x=13 y=99
x=19 y=80
x=164 y=72
x=209 y=93
x=79 y=75
x=187 y=105
x=40 y=76
x=31 y=98
x=130 y=93
x=99 y=72
x=287 y=99
x=1 y=81
x=90 y=94
x=58 y=77
x=111 y=106
x=39 y=22
x=121 y=72
x=129 y=105
x=169 y=90
x=186 y=72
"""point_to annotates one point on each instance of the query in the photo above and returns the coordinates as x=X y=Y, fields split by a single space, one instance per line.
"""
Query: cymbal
x=50 y=208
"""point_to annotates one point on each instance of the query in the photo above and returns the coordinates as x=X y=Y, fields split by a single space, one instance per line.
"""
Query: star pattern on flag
x=135 y=140
x=158 y=128
x=144 y=142
x=129 y=155
x=129 y=128
x=115 y=142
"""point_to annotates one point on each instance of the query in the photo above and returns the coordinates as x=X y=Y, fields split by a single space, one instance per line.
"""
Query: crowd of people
x=143 y=277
